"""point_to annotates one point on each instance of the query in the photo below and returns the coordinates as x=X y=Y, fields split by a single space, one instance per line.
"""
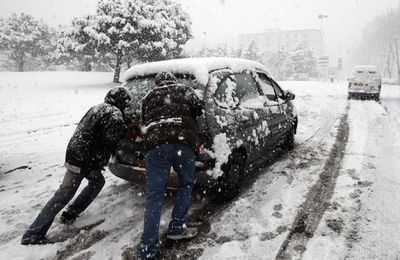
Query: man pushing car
x=94 y=140
x=169 y=113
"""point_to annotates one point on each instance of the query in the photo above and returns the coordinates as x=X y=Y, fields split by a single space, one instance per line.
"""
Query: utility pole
x=322 y=17
x=323 y=60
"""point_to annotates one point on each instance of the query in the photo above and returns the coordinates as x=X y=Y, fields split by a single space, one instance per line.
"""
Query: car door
x=234 y=110
x=287 y=110
x=252 y=105
x=276 y=118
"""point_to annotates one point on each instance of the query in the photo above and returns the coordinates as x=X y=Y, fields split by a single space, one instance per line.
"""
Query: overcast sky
x=217 y=19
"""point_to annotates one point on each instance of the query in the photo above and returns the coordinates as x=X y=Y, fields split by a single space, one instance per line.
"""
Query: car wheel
x=349 y=96
x=376 y=97
x=229 y=183
x=289 y=139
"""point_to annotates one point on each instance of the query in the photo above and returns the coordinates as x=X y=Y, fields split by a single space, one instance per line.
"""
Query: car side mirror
x=289 y=95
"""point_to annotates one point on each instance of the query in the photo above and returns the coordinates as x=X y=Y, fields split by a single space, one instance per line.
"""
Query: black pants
x=61 y=198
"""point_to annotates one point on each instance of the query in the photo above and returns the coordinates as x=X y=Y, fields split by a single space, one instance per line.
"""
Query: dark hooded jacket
x=98 y=133
x=169 y=113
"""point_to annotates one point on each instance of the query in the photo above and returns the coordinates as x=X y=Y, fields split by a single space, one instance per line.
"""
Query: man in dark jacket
x=88 y=151
x=169 y=113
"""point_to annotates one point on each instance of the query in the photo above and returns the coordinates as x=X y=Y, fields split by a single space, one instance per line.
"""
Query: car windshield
x=139 y=87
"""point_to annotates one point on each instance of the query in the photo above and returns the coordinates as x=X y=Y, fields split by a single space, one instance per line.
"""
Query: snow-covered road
x=38 y=112
x=366 y=201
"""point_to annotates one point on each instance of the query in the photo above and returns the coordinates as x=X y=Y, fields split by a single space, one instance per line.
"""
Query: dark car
x=246 y=116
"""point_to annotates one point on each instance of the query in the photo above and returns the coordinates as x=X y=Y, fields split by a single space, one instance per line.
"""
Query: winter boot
x=68 y=218
x=187 y=233
x=29 y=240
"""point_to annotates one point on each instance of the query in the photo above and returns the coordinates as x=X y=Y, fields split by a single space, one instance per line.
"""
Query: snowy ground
x=38 y=112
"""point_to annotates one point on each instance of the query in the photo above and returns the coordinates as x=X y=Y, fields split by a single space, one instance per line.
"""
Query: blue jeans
x=63 y=195
x=158 y=164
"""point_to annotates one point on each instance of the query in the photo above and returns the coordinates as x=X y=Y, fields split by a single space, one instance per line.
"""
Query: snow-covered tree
x=301 y=61
x=221 y=50
x=143 y=30
x=77 y=42
x=252 y=52
x=284 y=63
x=276 y=63
x=393 y=38
x=164 y=29
x=25 y=38
x=380 y=44
x=217 y=51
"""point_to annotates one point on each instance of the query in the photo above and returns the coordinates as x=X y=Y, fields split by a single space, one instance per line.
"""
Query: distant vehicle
x=247 y=115
x=365 y=82
x=299 y=76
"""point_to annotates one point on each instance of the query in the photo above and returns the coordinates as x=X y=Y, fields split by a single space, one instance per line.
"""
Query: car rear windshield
x=363 y=71
x=139 y=87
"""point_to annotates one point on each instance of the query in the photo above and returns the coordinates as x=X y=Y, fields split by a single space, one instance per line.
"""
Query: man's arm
x=143 y=112
x=114 y=130
x=196 y=105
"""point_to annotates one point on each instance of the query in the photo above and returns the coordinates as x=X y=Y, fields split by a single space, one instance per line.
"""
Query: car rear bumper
x=363 y=92
x=363 y=95
x=138 y=175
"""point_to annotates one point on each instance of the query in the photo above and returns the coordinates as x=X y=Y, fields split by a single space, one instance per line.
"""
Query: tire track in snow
x=312 y=210
x=374 y=231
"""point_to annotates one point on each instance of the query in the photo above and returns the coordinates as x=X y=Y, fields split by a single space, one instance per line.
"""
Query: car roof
x=365 y=67
x=198 y=67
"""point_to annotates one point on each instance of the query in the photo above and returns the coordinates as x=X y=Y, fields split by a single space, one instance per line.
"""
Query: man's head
x=164 y=78
x=119 y=97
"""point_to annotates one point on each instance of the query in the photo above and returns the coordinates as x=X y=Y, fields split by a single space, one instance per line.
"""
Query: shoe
x=36 y=241
x=187 y=233
x=67 y=218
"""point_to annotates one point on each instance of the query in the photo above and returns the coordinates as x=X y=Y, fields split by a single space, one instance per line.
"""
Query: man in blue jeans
x=88 y=151
x=169 y=113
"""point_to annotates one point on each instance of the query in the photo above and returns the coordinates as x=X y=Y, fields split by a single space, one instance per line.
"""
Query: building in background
x=274 y=41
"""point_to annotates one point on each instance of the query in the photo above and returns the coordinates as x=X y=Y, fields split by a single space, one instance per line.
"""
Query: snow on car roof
x=365 y=67
x=198 y=67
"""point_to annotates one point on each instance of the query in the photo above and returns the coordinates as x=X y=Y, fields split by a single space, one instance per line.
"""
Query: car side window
x=246 y=87
x=279 y=91
x=225 y=95
x=267 y=88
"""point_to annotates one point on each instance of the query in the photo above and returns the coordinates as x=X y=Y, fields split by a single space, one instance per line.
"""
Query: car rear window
x=139 y=87
x=365 y=71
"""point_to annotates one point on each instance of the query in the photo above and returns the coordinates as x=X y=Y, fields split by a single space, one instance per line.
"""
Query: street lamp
x=323 y=62
x=322 y=17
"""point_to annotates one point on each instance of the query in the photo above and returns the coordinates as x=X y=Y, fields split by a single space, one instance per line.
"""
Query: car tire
x=349 y=96
x=229 y=183
x=289 y=138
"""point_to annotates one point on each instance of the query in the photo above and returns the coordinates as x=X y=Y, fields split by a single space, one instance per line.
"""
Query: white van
x=365 y=82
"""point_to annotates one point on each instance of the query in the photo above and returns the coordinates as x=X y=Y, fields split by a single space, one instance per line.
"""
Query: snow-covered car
x=247 y=115
x=365 y=82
